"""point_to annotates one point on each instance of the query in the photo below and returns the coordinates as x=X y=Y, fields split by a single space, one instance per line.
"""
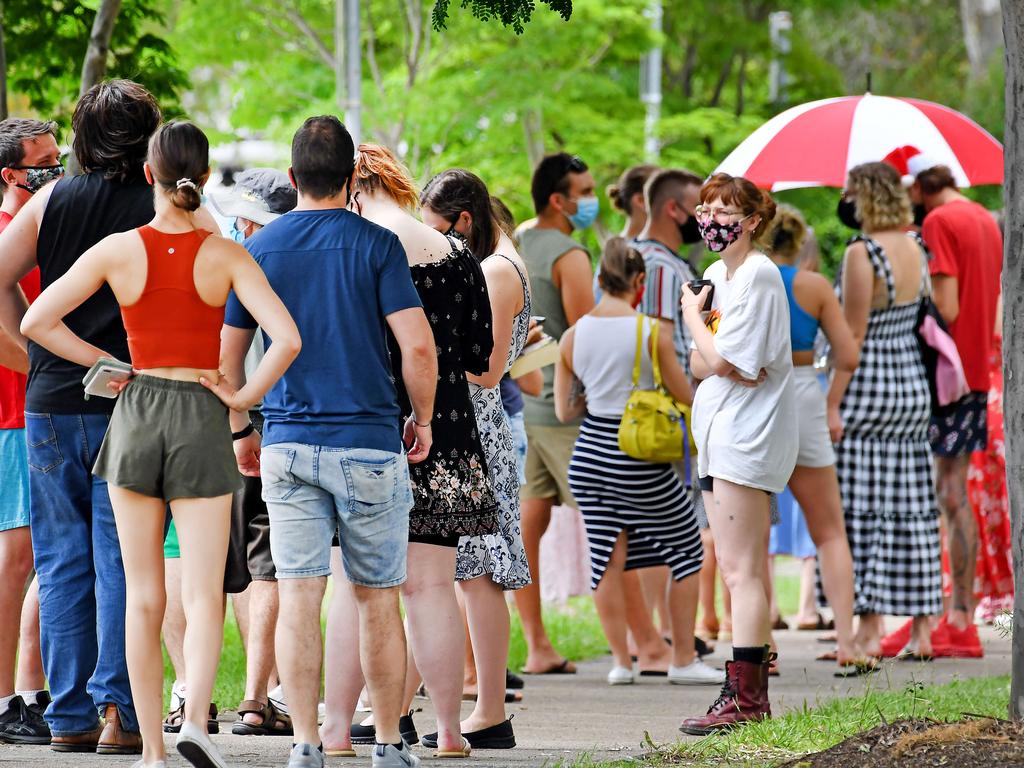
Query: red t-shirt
x=966 y=243
x=12 y=385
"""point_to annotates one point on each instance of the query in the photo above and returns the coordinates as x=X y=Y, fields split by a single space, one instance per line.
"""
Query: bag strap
x=638 y=357
x=655 y=366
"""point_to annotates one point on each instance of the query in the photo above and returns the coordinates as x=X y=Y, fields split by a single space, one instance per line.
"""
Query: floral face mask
x=717 y=236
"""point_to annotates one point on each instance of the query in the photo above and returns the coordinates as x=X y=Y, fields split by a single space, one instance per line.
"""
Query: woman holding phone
x=743 y=414
x=169 y=441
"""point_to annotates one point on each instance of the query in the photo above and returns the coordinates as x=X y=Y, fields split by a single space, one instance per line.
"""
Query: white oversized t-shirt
x=748 y=435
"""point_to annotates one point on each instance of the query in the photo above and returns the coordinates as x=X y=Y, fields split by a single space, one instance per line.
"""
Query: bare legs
x=708 y=572
x=817 y=492
x=489 y=634
x=299 y=652
x=541 y=654
x=203 y=532
x=739 y=520
x=610 y=599
x=261 y=606
x=343 y=675
x=961 y=535
x=174 y=617
x=15 y=610
x=655 y=584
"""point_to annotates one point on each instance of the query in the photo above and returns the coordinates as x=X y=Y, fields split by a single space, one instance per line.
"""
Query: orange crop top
x=170 y=325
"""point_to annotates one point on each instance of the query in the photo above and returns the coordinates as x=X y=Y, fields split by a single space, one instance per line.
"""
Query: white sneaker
x=277 y=696
x=195 y=746
x=696 y=673
x=620 y=676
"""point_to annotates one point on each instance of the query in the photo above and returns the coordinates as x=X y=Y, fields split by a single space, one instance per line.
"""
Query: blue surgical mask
x=587 y=209
x=236 y=234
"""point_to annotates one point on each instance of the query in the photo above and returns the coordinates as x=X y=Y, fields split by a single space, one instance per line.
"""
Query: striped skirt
x=616 y=493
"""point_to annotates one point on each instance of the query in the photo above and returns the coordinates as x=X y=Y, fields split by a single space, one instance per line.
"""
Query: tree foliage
x=46 y=40
x=511 y=13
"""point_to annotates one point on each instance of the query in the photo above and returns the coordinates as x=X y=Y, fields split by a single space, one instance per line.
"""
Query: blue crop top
x=803 y=328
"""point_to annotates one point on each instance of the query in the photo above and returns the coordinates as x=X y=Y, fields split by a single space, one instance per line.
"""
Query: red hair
x=743 y=194
x=378 y=170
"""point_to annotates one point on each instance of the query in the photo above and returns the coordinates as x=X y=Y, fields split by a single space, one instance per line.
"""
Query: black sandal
x=273 y=722
x=174 y=719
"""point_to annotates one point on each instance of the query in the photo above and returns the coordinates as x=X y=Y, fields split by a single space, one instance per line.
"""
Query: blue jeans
x=81 y=577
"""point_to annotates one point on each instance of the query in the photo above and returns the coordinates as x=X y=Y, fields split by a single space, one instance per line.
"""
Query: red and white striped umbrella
x=815 y=144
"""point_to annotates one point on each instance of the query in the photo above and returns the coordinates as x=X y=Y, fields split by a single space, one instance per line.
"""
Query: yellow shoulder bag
x=654 y=425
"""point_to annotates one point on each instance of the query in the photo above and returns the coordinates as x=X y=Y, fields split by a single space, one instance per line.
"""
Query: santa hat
x=909 y=161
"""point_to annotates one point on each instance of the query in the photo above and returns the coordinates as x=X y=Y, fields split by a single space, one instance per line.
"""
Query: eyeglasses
x=574 y=165
x=706 y=213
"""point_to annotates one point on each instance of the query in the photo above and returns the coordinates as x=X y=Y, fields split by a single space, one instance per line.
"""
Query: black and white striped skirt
x=616 y=493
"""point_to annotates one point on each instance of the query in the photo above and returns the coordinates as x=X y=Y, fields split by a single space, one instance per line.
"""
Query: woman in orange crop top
x=169 y=441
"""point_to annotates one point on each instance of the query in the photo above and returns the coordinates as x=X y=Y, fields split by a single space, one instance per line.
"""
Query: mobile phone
x=104 y=371
x=697 y=286
x=538 y=319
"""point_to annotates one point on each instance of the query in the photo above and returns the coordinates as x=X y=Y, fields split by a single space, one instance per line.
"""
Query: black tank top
x=81 y=211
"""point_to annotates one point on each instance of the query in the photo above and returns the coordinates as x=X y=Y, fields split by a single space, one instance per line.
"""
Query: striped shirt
x=667 y=271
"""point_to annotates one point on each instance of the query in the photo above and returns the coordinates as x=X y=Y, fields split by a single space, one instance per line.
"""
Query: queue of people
x=325 y=393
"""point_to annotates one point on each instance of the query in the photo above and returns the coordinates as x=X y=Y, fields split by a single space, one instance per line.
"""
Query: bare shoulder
x=224 y=251
x=119 y=247
x=812 y=282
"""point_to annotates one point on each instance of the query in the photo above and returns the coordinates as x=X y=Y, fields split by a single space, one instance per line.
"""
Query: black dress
x=451 y=489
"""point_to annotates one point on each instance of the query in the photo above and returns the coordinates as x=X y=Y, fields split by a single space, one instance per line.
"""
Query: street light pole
x=353 y=70
x=650 y=86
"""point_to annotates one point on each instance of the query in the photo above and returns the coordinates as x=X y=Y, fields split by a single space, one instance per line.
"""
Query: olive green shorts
x=169 y=440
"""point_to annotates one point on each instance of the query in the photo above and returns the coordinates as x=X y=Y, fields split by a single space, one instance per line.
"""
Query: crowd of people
x=320 y=388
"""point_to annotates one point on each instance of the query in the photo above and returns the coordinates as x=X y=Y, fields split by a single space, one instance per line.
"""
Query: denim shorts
x=517 y=424
x=363 y=493
x=14 y=506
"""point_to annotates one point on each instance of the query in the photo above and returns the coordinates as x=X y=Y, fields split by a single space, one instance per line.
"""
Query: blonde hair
x=880 y=199
x=787 y=232
x=378 y=170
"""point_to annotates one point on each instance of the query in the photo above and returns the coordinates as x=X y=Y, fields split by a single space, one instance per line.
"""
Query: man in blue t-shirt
x=332 y=442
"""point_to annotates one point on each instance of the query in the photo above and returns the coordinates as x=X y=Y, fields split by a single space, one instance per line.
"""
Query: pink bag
x=950 y=381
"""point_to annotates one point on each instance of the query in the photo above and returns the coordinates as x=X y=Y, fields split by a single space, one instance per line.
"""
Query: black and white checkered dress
x=885 y=467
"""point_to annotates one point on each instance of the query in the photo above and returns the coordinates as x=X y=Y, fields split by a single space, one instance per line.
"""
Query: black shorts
x=963 y=430
x=437 y=540
x=249 y=545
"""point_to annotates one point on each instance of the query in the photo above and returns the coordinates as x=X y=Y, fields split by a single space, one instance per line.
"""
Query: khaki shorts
x=547 y=462
x=169 y=440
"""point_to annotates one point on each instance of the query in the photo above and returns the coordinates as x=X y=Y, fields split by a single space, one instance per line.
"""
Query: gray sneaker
x=387 y=756
x=305 y=756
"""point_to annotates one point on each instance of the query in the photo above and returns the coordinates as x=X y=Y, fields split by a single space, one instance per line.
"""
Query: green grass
x=813 y=729
x=574 y=628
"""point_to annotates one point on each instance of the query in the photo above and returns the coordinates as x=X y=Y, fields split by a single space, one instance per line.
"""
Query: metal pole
x=353 y=72
x=779 y=25
x=650 y=86
x=339 y=55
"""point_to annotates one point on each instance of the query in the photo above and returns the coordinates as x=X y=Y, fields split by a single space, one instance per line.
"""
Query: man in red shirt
x=967 y=259
x=29 y=159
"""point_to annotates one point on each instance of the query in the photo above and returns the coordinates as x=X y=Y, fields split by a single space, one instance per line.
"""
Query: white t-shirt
x=748 y=435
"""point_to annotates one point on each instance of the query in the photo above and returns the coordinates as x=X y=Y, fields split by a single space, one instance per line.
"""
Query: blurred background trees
x=477 y=94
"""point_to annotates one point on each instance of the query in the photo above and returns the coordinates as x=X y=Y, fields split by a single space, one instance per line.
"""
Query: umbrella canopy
x=815 y=144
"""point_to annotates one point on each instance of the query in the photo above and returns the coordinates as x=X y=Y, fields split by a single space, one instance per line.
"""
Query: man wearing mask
x=256 y=197
x=560 y=276
x=29 y=160
x=672 y=196
x=967 y=256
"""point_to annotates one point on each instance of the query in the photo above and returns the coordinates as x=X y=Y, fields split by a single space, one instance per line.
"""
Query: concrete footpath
x=563 y=717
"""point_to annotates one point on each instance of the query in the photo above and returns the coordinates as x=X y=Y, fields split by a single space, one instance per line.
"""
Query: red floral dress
x=986 y=492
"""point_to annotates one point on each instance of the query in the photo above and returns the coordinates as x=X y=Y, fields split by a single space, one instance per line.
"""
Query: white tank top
x=603 y=353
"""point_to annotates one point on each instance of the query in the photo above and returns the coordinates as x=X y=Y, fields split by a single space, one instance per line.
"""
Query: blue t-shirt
x=339 y=276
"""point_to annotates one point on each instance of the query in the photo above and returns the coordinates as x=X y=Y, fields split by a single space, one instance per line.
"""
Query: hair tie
x=186 y=183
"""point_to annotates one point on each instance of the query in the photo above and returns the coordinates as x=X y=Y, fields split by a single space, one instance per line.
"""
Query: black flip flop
x=558 y=669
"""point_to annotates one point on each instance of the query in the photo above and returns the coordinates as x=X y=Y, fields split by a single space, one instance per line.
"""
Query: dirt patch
x=974 y=743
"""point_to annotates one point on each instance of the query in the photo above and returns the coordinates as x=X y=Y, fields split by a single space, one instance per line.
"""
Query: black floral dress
x=452 y=493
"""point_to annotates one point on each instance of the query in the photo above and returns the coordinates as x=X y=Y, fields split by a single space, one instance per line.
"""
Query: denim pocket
x=276 y=473
x=43 y=452
x=373 y=480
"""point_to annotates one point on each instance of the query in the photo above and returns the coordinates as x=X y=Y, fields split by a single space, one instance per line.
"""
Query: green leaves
x=511 y=13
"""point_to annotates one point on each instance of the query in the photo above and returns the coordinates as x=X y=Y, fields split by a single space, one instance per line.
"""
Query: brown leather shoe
x=744 y=699
x=76 y=742
x=115 y=740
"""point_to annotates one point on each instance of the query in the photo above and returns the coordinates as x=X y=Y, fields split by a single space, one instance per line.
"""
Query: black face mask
x=919 y=213
x=846 y=210
x=689 y=231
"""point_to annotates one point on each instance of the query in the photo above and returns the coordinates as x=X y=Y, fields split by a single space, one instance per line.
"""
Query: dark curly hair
x=112 y=123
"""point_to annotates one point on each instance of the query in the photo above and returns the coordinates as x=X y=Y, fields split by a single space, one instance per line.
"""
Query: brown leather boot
x=115 y=740
x=76 y=742
x=744 y=699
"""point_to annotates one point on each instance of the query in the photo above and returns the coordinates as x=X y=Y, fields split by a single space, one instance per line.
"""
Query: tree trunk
x=1013 y=322
x=723 y=78
x=982 y=33
x=3 y=68
x=95 y=65
x=533 y=130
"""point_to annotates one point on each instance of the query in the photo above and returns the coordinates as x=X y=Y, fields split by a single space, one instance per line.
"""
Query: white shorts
x=812 y=419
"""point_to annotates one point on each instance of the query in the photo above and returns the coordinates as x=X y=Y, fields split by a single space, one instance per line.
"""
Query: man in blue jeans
x=332 y=454
x=74 y=539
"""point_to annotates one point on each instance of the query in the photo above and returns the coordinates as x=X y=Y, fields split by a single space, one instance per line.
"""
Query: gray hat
x=259 y=195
